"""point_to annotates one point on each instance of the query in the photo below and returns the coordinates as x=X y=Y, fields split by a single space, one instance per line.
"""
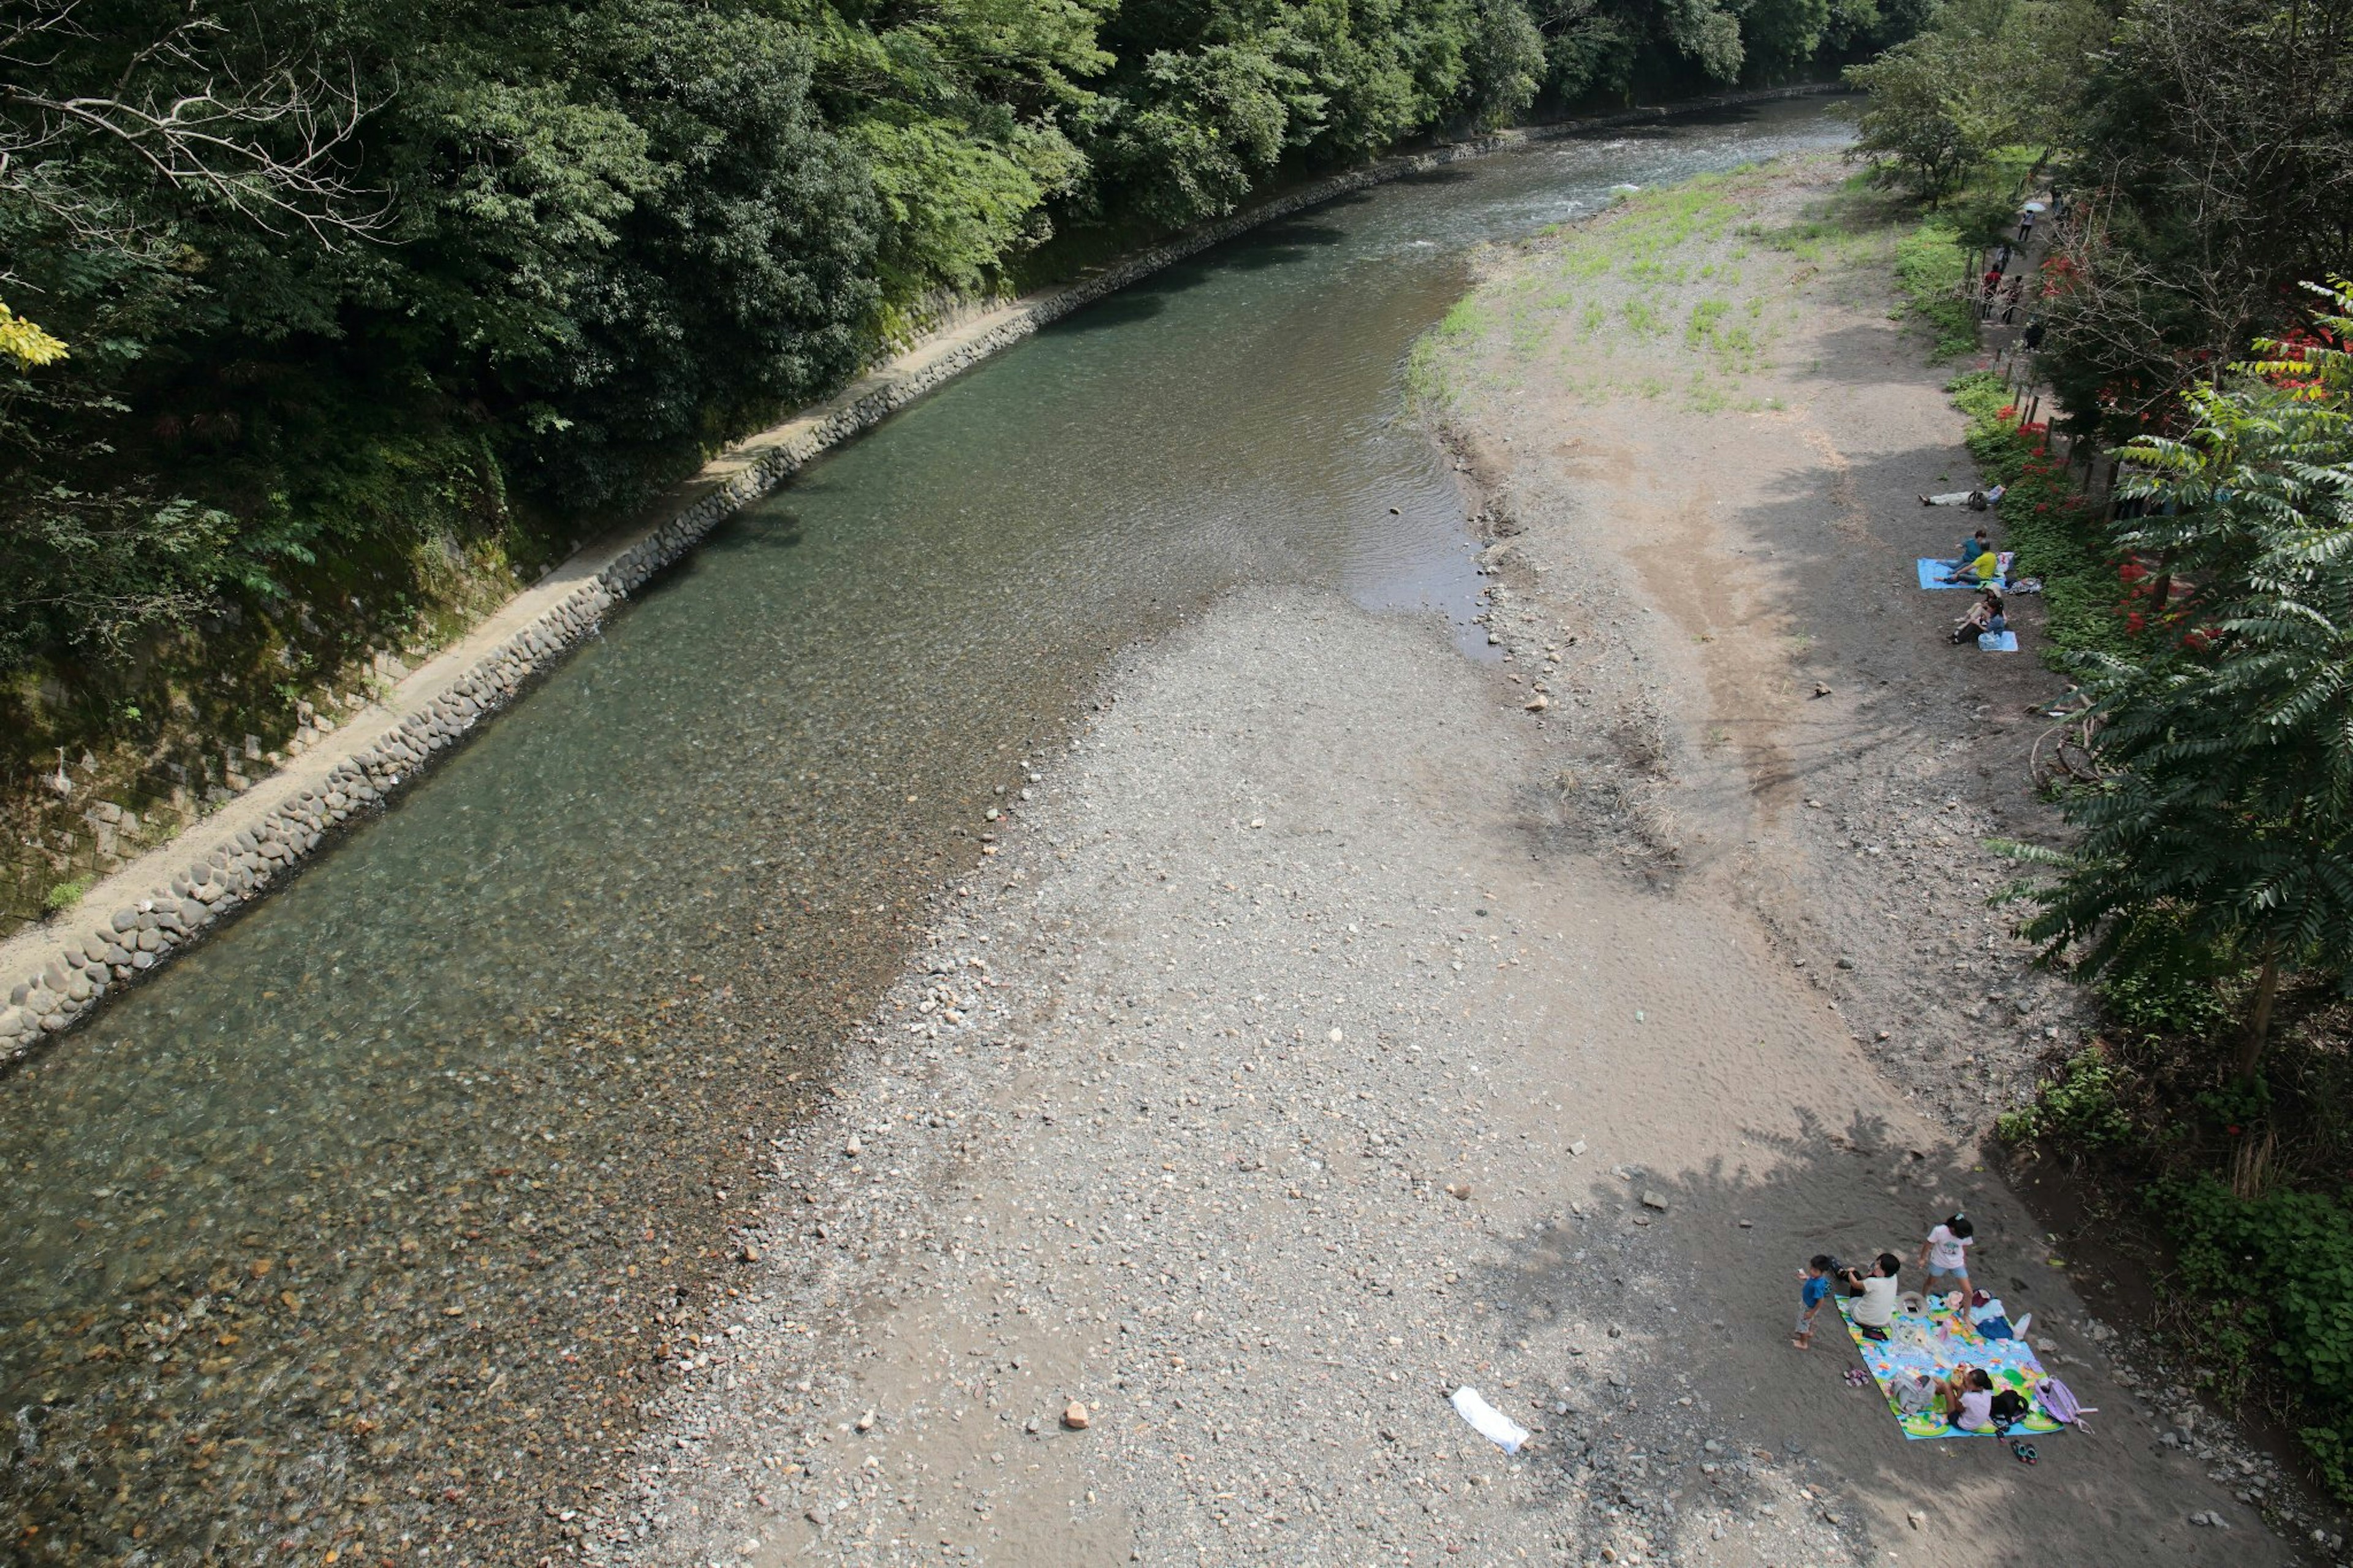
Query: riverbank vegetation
x=1682 y=295
x=327 y=327
x=2205 y=608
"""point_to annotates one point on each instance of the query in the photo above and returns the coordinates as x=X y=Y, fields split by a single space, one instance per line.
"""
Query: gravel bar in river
x=1293 y=1065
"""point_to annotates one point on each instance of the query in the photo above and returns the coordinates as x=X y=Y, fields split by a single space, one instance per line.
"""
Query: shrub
x=2288 y=1258
x=2182 y=998
x=2079 y=1108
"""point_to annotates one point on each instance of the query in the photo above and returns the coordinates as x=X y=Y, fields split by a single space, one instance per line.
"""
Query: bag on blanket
x=2010 y=1408
x=1914 y=1393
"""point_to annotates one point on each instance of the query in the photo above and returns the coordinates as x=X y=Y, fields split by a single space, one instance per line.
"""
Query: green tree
x=1983 y=75
x=1914 y=128
x=2207 y=151
x=2224 y=828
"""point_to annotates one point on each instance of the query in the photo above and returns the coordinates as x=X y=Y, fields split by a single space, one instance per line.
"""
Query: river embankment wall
x=156 y=905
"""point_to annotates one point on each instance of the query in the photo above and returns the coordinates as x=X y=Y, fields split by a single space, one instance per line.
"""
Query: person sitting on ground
x=1984 y=570
x=1945 y=1254
x=1984 y=618
x=1968 y=1399
x=1972 y=547
x=1874 y=1294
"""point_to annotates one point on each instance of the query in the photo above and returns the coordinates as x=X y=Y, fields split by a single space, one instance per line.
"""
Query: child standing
x=1945 y=1256
x=1813 y=1289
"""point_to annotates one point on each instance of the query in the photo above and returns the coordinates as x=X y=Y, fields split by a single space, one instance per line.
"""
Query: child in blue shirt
x=1813 y=1290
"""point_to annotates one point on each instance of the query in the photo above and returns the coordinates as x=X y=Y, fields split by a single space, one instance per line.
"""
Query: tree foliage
x=288 y=280
x=1981 y=76
x=2226 y=822
x=2208 y=149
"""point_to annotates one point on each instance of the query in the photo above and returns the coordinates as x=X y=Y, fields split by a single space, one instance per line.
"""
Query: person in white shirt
x=1874 y=1295
x=1945 y=1256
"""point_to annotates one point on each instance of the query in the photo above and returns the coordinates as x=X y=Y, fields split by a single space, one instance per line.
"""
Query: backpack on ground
x=2058 y=1403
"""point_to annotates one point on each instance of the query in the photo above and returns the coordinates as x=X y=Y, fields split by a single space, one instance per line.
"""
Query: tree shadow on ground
x=1674 y=1413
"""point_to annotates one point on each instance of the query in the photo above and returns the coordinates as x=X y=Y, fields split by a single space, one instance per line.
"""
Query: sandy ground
x=1339 y=1028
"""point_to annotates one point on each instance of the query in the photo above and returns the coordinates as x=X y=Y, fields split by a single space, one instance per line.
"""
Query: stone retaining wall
x=141 y=933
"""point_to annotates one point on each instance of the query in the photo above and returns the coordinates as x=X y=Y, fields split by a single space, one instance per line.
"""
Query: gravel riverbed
x=1340 y=1023
x=1292 y=1067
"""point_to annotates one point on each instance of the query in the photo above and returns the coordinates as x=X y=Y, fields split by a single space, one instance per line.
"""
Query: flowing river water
x=367 y=1231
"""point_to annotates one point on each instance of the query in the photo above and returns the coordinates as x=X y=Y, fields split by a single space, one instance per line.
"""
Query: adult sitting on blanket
x=1874 y=1294
x=1976 y=501
x=1974 y=545
x=1985 y=615
x=1984 y=569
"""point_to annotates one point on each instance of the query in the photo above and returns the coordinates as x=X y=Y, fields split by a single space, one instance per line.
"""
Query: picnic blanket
x=1997 y=642
x=1933 y=574
x=1936 y=1342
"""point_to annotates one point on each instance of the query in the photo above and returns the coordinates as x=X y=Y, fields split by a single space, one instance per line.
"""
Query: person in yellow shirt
x=1980 y=572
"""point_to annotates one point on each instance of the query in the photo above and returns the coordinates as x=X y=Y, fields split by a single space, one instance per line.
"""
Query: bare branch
x=273 y=146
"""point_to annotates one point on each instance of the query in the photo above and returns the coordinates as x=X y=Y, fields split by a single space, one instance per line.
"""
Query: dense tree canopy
x=2225 y=827
x=289 y=280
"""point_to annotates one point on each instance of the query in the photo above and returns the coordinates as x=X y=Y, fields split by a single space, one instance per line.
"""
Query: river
x=370 y=1227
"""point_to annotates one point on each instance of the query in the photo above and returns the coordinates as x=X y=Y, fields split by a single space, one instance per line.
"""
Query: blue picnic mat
x=1997 y=642
x=1933 y=573
x=1935 y=1343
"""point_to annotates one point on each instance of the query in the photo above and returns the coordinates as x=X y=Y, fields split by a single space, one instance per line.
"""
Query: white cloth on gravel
x=1492 y=1423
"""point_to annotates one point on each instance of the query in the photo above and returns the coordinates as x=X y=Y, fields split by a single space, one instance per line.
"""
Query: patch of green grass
x=1426 y=382
x=66 y=895
x=1468 y=317
x=1930 y=269
x=1705 y=317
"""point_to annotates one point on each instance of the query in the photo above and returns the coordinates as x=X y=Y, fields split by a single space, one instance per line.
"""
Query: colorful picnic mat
x=1935 y=1343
